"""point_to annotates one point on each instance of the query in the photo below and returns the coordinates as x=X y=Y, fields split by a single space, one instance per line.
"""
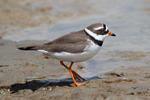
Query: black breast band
x=100 y=43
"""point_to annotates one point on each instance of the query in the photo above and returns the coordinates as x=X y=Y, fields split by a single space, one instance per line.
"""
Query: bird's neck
x=93 y=37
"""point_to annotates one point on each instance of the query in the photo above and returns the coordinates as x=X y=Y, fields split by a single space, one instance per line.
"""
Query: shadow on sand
x=36 y=84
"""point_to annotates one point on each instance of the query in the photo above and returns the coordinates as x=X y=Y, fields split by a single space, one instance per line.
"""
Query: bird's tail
x=29 y=48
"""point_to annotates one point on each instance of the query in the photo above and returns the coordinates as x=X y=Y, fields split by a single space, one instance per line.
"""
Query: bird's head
x=98 y=31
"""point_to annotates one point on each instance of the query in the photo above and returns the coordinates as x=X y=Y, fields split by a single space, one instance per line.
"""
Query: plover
x=75 y=47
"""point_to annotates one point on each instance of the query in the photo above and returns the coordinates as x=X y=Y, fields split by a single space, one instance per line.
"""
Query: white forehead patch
x=98 y=28
x=106 y=28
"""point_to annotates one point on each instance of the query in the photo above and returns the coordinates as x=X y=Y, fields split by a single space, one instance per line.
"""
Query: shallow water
x=129 y=19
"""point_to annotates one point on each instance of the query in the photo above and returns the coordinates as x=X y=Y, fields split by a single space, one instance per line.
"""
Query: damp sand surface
x=54 y=82
x=120 y=71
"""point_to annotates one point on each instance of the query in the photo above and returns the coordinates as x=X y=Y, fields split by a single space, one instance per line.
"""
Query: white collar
x=95 y=36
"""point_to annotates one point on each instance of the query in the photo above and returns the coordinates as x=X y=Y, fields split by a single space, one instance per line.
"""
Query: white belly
x=88 y=53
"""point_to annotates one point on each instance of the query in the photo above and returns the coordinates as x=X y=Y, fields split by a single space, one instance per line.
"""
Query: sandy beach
x=120 y=71
x=16 y=66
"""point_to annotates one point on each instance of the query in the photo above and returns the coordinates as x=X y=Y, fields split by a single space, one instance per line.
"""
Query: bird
x=75 y=47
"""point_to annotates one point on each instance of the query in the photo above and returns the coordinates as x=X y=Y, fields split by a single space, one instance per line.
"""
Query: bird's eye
x=107 y=31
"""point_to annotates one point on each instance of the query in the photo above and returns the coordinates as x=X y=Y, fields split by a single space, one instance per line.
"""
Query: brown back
x=74 y=42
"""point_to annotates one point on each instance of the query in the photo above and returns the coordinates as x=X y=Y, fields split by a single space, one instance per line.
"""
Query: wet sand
x=16 y=66
x=125 y=58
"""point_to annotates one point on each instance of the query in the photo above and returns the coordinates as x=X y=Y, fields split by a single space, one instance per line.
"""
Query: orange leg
x=76 y=75
x=73 y=74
